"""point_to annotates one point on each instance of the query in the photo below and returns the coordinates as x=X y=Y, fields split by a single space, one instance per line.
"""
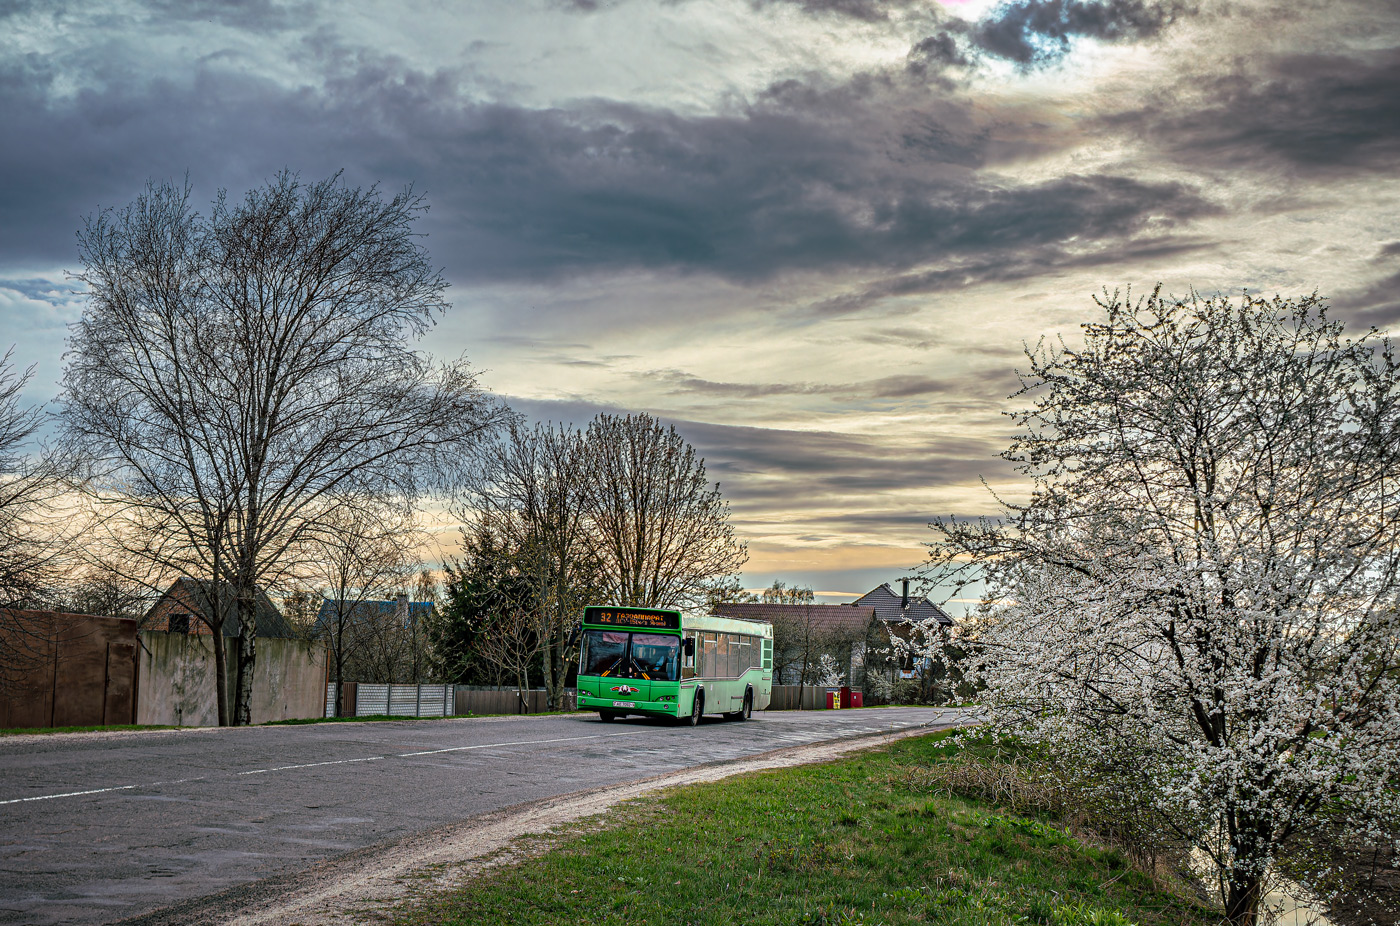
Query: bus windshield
x=620 y=654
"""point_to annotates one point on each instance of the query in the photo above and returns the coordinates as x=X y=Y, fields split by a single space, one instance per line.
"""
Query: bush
x=1100 y=804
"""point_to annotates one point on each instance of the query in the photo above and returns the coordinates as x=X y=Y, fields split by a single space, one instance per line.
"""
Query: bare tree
x=533 y=499
x=658 y=528
x=510 y=644
x=30 y=485
x=233 y=374
x=31 y=535
x=107 y=589
x=361 y=553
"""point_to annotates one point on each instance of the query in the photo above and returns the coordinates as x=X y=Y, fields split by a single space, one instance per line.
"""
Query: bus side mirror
x=689 y=645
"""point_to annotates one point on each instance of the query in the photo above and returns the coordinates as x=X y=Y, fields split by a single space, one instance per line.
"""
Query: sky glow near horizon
x=813 y=234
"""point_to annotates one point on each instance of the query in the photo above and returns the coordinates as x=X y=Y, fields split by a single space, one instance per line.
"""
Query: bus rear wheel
x=697 y=708
x=745 y=712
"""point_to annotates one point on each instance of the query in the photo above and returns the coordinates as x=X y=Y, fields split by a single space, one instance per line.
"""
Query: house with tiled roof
x=901 y=607
x=188 y=606
x=857 y=636
x=400 y=611
x=905 y=616
x=804 y=633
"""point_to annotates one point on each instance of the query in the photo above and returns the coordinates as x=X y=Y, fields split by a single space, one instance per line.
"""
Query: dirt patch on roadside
x=354 y=887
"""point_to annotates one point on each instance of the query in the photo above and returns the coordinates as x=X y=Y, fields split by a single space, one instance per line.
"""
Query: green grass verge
x=17 y=731
x=852 y=843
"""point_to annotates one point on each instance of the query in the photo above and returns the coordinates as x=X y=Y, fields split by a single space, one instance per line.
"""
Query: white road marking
x=791 y=736
x=283 y=768
x=49 y=797
x=562 y=739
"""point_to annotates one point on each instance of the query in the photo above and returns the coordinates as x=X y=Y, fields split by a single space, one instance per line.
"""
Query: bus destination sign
x=627 y=617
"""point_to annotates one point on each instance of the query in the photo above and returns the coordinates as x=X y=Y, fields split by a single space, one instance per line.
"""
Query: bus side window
x=688 y=659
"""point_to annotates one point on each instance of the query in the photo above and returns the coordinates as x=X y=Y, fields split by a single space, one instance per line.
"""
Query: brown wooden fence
x=66 y=670
x=798 y=698
x=507 y=701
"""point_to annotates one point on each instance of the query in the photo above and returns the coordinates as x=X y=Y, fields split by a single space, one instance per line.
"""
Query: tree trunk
x=247 y=656
x=556 y=671
x=220 y=674
x=216 y=624
x=1242 y=900
x=547 y=664
x=338 y=656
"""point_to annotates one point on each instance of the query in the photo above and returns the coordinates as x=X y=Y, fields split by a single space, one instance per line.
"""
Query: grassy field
x=854 y=843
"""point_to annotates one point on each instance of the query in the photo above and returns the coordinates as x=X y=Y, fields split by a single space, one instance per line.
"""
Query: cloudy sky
x=813 y=234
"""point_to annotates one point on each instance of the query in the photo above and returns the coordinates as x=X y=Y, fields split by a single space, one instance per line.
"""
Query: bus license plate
x=624 y=704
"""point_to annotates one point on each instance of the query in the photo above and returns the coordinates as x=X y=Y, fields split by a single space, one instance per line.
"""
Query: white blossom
x=1201 y=591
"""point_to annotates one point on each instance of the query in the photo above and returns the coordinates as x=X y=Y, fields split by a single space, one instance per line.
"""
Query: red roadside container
x=833 y=698
x=857 y=699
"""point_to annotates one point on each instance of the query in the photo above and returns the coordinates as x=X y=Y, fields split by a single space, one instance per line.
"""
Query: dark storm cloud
x=1318 y=115
x=762 y=467
x=1376 y=302
x=676 y=382
x=1037 y=31
x=250 y=15
x=256 y=16
x=822 y=466
x=1033 y=33
x=868 y=522
x=866 y=10
x=854 y=176
x=973 y=273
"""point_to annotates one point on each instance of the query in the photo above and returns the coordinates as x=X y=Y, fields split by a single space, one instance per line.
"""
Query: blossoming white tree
x=1201 y=592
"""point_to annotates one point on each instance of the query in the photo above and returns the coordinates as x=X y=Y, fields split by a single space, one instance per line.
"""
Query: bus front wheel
x=697 y=708
x=607 y=716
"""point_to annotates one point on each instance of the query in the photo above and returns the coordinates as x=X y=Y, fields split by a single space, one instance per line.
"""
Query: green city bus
x=661 y=663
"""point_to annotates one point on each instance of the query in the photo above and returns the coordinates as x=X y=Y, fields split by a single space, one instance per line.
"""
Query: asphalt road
x=100 y=827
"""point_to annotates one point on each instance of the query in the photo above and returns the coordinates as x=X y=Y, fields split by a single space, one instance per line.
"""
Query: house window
x=179 y=623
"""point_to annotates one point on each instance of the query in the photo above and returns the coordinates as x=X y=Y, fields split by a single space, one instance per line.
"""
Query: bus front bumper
x=627 y=706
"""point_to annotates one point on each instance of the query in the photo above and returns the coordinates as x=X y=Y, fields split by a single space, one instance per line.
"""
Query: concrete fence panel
x=177 y=685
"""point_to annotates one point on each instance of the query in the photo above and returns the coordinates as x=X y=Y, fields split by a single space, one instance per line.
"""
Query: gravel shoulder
x=353 y=887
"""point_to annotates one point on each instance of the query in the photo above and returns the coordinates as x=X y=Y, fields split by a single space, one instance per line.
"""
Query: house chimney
x=904 y=602
x=401 y=609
